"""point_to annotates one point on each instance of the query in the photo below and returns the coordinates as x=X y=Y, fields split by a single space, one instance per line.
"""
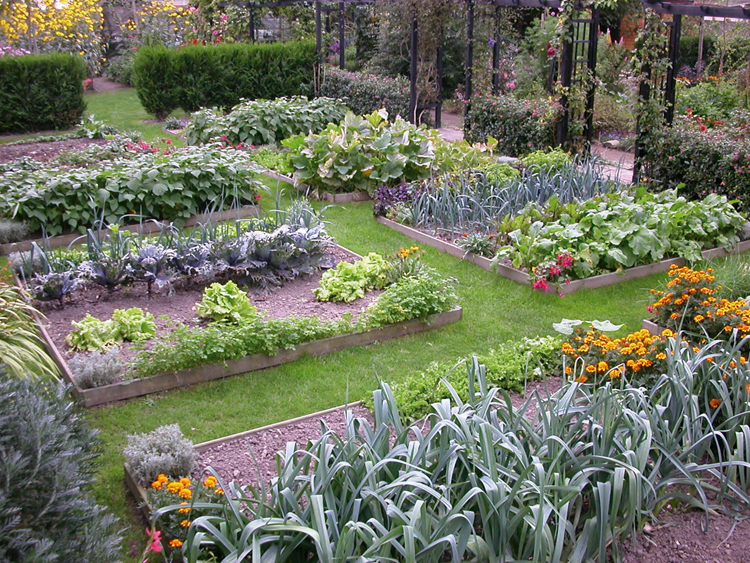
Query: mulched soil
x=45 y=151
x=176 y=305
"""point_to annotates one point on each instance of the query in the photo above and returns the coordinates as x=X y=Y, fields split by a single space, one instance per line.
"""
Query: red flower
x=541 y=284
x=168 y=141
x=155 y=542
x=256 y=197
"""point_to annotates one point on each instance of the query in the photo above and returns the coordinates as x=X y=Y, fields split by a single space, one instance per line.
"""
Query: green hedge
x=365 y=93
x=199 y=76
x=39 y=92
x=520 y=126
x=706 y=161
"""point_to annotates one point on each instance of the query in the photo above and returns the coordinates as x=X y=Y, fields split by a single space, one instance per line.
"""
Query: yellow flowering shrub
x=690 y=303
x=591 y=356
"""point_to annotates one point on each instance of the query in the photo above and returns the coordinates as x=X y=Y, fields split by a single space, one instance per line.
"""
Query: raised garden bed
x=522 y=277
x=148 y=227
x=294 y=297
x=356 y=195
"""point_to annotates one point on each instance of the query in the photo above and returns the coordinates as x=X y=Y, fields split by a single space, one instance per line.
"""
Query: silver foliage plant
x=163 y=450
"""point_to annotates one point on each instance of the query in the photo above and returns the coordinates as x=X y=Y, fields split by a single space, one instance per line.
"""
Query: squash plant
x=362 y=153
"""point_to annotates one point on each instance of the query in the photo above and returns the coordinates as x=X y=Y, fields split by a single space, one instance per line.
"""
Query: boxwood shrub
x=39 y=92
x=520 y=126
x=365 y=93
x=200 y=76
x=704 y=162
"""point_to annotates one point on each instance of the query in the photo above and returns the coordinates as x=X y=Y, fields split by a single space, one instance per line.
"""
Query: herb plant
x=163 y=450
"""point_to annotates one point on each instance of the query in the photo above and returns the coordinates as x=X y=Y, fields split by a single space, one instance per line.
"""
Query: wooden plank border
x=521 y=277
x=348 y=197
x=139 y=492
x=147 y=227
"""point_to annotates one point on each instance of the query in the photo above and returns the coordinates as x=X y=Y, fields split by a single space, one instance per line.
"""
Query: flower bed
x=522 y=277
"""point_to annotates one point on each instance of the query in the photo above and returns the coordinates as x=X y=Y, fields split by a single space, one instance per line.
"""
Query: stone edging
x=139 y=492
x=593 y=282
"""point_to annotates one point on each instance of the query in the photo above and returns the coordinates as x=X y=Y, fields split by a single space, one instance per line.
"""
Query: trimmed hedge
x=520 y=126
x=39 y=92
x=199 y=76
x=365 y=93
x=704 y=161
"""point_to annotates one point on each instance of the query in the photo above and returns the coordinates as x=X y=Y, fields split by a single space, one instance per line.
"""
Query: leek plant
x=563 y=478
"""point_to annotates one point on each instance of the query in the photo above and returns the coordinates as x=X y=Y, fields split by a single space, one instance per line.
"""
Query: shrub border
x=147 y=227
x=139 y=492
x=519 y=276
x=131 y=388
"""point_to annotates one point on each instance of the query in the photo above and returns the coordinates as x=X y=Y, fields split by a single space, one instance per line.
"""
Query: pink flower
x=541 y=284
x=155 y=542
x=224 y=17
x=169 y=141
x=554 y=271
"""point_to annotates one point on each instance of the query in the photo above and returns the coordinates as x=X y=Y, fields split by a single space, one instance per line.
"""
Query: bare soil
x=175 y=305
x=46 y=151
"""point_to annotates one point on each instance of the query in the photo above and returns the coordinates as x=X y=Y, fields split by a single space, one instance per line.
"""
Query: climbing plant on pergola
x=576 y=65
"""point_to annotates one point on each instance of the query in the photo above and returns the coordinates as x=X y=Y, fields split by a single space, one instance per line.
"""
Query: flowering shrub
x=591 y=356
x=690 y=303
x=520 y=126
x=705 y=157
x=365 y=93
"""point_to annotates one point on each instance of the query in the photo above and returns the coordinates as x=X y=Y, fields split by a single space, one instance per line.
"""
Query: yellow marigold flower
x=583 y=379
x=727 y=329
x=568 y=370
x=667 y=333
x=714 y=403
x=699 y=318
x=185 y=523
x=184 y=510
x=175 y=543
x=210 y=482
x=591 y=368
x=414 y=248
x=743 y=359
x=602 y=366
x=615 y=373
x=162 y=478
x=156 y=485
x=186 y=493
x=175 y=487
x=673 y=316
x=219 y=491
x=185 y=482
x=732 y=364
x=661 y=356
x=583 y=348
x=696 y=349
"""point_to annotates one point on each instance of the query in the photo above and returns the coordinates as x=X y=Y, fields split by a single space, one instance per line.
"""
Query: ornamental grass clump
x=691 y=302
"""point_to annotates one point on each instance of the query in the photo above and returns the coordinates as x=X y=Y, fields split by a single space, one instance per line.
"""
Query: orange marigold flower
x=747 y=388
x=219 y=491
x=185 y=482
x=661 y=356
x=186 y=493
x=667 y=333
x=714 y=403
x=602 y=366
x=175 y=487
x=699 y=318
x=175 y=543
x=156 y=485
x=591 y=368
x=583 y=348
x=163 y=479
x=210 y=482
x=568 y=370
x=583 y=379
x=615 y=373
x=185 y=523
x=184 y=510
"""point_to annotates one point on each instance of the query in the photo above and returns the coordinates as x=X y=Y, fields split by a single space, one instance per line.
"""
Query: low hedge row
x=198 y=76
x=365 y=93
x=708 y=161
x=39 y=92
x=520 y=126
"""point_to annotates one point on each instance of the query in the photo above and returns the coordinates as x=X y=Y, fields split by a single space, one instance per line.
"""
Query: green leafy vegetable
x=226 y=303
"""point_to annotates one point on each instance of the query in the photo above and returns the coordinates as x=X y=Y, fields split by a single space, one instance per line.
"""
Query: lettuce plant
x=349 y=281
x=94 y=335
x=226 y=303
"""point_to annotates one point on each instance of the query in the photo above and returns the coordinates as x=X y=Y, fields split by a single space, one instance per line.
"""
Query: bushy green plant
x=272 y=159
x=167 y=187
x=92 y=334
x=163 y=450
x=713 y=100
x=12 y=231
x=41 y=92
x=700 y=159
x=620 y=230
x=264 y=122
x=226 y=303
x=362 y=153
x=96 y=369
x=550 y=161
x=48 y=512
x=365 y=93
x=349 y=281
x=509 y=367
x=520 y=126
x=411 y=297
x=21 y=347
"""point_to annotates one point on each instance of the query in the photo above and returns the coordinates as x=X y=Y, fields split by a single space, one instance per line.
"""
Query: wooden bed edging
x=139 y=492
x=348 y=197
x=199 y=374
x=147 y=227
x=587 y=283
